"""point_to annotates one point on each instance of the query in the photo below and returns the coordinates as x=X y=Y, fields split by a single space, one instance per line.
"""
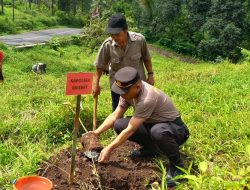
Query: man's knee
x=120 y=125
x=160 y=134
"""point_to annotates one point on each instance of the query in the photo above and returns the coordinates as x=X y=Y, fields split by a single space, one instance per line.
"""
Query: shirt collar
x=131 y=38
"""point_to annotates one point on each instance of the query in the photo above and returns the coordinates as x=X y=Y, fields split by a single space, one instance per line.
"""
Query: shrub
x=235 y=55
x=30 y=12
x=47 y=21
x=209 y=49
x=149 y=35
x=26 y=24
x=7 y=26
x=76 y=40
x=3 y=46
x=166 y=42
x=94 y=35
x=185 y=48
x=69 y=19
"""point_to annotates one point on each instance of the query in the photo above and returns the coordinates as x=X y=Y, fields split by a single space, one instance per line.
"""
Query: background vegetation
x=213 y=97
x=211 y=29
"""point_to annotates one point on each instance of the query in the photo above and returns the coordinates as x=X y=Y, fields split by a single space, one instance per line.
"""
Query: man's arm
x=110 y=120
x=101 y=63
x=148 y=65
x=133 y=125
x=96 y=87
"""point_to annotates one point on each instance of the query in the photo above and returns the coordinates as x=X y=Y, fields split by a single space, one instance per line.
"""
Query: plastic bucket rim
x=30 y=176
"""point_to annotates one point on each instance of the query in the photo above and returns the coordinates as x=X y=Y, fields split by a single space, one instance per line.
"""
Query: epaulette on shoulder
x=136 y=36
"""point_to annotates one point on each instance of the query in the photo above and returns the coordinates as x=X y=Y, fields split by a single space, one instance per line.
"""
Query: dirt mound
x=90 y=142
x=121 y=172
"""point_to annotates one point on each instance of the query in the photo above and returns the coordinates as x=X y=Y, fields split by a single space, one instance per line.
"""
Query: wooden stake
x=75 y=133
x=95 y=112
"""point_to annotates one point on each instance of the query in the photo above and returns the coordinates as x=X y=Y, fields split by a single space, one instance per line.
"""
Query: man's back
x=152 y=104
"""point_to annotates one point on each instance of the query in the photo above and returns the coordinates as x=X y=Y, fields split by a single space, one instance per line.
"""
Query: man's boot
x=175 y=161
x=144 y=152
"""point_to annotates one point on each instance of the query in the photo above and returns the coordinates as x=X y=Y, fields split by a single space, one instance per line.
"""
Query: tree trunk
x=2 y=7
x=13 y=10
x=82 y=6
x=74 y=7
x=30 y=4
x=52 y=7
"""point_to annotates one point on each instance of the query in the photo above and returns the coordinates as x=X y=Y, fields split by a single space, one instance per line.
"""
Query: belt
x=177 y=121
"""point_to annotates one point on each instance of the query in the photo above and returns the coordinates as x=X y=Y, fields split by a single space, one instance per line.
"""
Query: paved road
x=37 y=37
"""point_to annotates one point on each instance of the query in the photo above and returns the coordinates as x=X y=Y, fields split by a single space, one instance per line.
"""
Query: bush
x=47 y=21
x=94 y=35
x=76 y=40
x=150 y=36
x=209 y=49
x=166 y=42
x=69 y=19
x=30 y=12
x=185 y=48
x=54 y=43
x=3 y=46
x=7 y=26
x=26 y=24
x=235 y=55
x=246 y=54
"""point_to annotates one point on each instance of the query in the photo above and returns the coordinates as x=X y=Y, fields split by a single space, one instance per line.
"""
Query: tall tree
x=198 y=12
x=2 y=7
x=74 y=6
x=30 y=4
x=223 y=29
x=229 y=11
x=64 y=5
x=52 y=7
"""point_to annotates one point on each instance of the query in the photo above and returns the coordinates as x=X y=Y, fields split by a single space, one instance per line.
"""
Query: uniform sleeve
x=145 y=109
x=123 y=103
x=103 y=56
x=144 y=50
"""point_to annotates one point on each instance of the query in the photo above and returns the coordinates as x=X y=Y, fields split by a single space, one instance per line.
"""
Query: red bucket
x=1 y=56
x=32 y=183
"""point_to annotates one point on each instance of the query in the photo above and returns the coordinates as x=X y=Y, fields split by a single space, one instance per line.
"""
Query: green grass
x=214 y=100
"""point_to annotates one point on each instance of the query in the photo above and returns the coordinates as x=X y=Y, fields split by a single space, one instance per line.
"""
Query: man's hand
x=104 y=155
x=151 y=80
x=96 y=90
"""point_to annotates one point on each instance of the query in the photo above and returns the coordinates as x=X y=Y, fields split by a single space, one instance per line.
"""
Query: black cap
x=116 y=24
x=124 y=79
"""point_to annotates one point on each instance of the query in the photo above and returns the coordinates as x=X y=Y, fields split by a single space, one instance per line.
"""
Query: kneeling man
x=156 y=124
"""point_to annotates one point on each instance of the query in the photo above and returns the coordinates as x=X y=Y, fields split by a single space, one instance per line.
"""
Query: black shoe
x=143 y=153
x=172 y=173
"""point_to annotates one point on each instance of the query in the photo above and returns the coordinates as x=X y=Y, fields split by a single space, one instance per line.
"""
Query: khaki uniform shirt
x=152 y=104
x=112 y=57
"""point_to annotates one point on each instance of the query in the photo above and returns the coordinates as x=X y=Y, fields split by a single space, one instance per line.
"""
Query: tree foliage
x=208 y=28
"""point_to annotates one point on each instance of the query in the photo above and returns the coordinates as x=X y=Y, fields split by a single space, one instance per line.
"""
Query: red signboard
x=79 y=83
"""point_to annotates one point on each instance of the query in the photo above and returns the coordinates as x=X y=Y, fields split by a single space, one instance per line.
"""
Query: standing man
x=122 y=48
x=156 y=123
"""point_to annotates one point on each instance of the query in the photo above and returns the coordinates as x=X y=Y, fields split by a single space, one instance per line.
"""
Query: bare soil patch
x=121 y=172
